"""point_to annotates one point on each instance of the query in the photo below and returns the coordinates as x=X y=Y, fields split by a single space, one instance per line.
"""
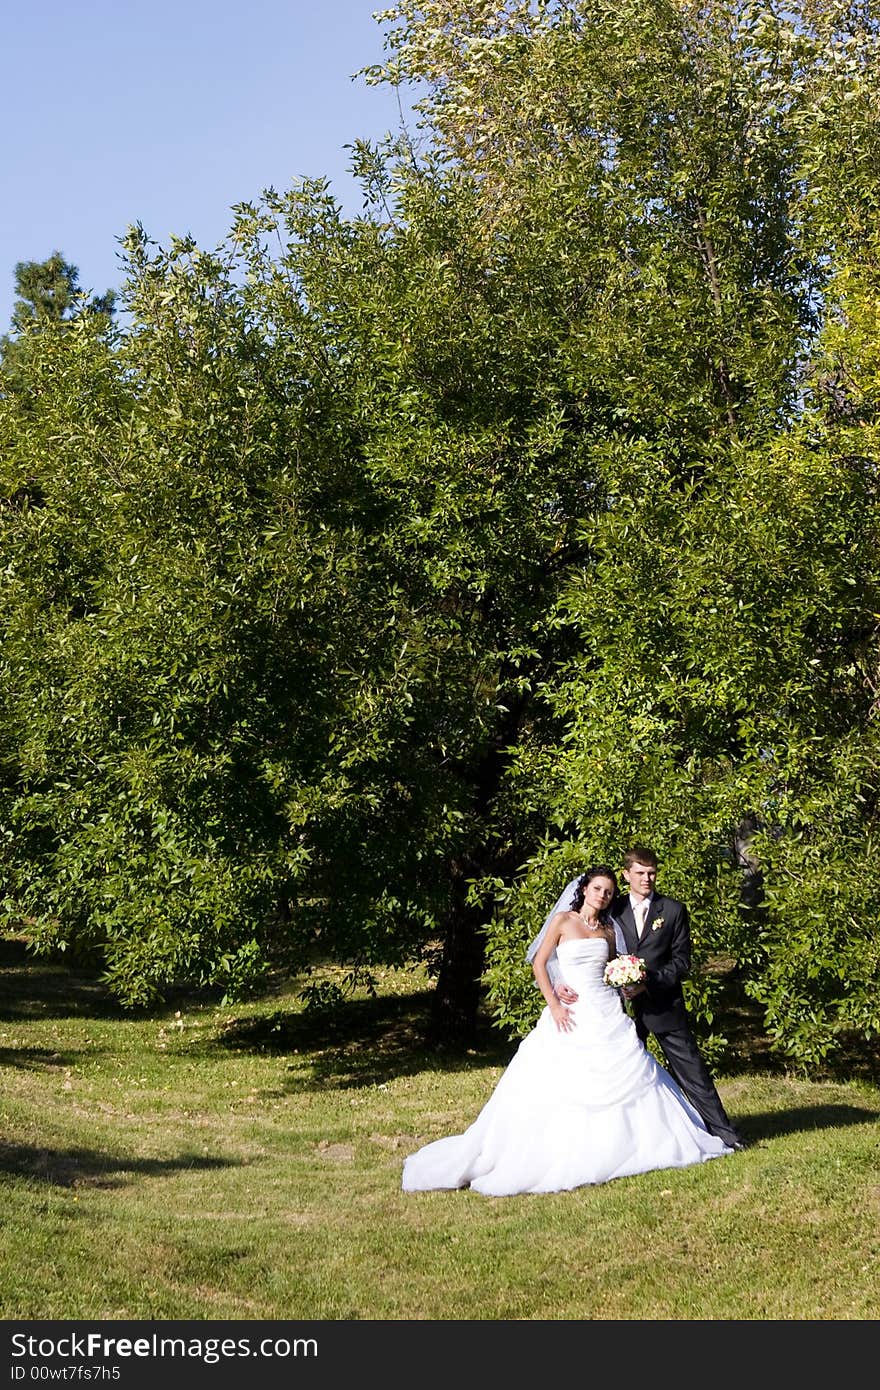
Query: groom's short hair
x=639 y=854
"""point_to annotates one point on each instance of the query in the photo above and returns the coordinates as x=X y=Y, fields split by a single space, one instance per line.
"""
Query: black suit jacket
x=665 y=947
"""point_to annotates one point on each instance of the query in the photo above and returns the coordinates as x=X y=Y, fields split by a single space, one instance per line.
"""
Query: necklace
x=591 y=926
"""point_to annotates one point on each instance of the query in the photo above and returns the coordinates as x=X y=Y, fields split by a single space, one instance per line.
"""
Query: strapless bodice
x=578 y=943
x=582 y=961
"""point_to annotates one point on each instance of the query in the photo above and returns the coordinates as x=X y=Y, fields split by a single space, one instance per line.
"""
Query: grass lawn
x=207 y=1162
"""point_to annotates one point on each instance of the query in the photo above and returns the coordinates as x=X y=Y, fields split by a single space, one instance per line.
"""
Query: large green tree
x=721 y=702
x=701 y=166
x=389 y=566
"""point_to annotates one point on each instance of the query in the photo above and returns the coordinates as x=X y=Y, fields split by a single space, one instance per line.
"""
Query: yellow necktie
x=641 y=917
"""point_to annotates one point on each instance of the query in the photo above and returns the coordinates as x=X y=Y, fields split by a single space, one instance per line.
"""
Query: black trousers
x=687 y=1068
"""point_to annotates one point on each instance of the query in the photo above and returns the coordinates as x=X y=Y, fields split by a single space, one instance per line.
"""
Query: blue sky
x=167 y=113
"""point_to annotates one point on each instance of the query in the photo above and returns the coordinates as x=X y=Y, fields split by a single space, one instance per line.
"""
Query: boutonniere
x=657 y=924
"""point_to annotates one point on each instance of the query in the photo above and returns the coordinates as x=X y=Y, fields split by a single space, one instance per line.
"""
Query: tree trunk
x=751 y=892
x=456 y=1000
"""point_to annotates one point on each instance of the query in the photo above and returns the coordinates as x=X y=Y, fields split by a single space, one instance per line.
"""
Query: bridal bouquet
x=624 y=970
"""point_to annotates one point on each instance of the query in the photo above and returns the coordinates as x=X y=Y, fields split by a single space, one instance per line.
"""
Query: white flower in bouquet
x=624 y=970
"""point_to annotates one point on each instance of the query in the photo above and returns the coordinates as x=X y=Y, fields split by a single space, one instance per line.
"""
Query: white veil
x=563 y=903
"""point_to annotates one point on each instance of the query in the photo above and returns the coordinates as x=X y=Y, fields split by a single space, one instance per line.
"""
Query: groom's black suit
x=665 y=947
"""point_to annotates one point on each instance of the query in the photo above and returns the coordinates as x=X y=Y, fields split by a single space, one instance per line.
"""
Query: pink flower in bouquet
x=624 y=970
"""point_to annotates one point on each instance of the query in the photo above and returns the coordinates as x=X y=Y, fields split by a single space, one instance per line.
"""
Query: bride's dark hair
x=597 y=871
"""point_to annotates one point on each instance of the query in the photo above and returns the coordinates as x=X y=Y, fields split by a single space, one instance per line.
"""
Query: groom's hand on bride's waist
x=566 y=995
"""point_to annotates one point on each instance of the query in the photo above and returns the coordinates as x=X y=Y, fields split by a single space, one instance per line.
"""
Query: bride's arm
x=616 y=947
x=561 y=1015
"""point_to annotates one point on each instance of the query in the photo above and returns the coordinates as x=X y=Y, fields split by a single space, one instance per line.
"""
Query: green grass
x=245 y=1163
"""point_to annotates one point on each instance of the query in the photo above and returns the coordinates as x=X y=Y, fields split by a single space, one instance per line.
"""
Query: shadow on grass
x=38 y=1058
x=35 y=987
x=370 y=1041
x=87 y=1168
x=363 y=1042
x=32 y=987
x=774 y=1124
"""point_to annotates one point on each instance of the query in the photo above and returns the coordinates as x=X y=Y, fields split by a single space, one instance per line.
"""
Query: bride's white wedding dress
x=571 y=1108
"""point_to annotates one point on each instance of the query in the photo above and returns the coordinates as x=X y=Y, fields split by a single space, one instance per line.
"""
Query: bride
x=582 y=1101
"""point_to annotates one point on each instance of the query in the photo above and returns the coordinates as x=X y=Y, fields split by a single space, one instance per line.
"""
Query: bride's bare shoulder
x=568 y=924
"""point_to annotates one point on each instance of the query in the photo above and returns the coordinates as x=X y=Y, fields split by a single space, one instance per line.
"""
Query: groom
x=657 y=928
